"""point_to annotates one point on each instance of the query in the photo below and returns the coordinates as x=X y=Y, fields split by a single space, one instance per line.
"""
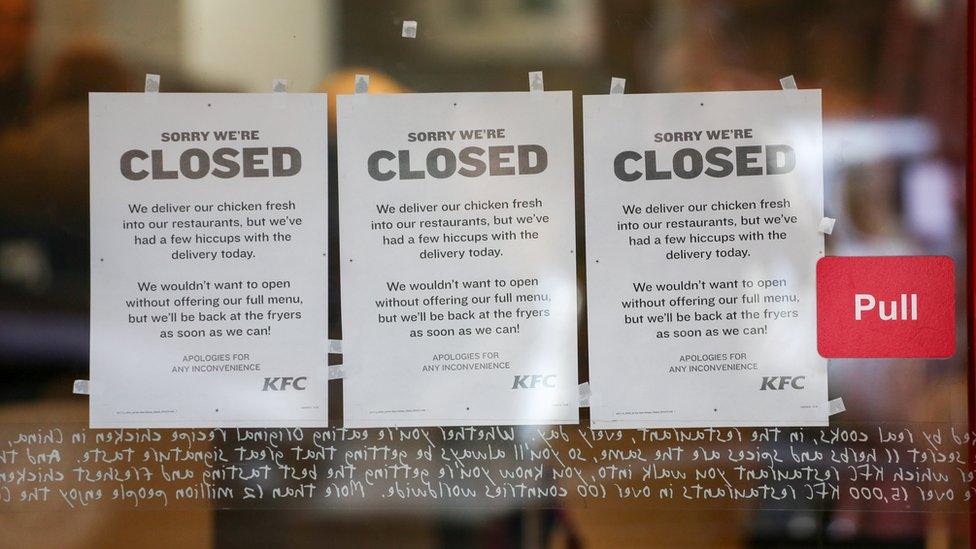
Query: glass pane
x=893 y=469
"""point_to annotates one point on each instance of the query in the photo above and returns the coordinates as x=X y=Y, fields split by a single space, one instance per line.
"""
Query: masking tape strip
x=536 y=83
x=827 y=225
x=617 y=85
x=835 y=406
x=152 y=83
x=336 y=371
x=81 y=387
x=278 y=89
x=584 y=394
x=335 y=346
x=409 y=29
x=152 y=88
x=362 y=83
x=788 y=82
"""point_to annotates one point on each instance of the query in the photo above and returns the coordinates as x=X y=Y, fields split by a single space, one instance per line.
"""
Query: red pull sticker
x=886 y=307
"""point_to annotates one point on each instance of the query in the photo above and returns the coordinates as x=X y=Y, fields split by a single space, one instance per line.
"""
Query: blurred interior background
x=893 y=74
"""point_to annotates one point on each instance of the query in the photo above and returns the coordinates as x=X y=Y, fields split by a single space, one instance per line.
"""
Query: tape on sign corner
x=584 y=394
x=362 y=83
x=279 y=87
x=336 y=371
x=335 y=346
x=827 y=225
x=788 y=82
x=536 y=82
x=617 y=85
x=151 y=94
x=409 y=29
x=81 y=387
x=152 y=83
x=835 y=406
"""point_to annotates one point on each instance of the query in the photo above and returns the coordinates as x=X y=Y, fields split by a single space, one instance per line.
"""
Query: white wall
x=232 y=44
x=248 y=43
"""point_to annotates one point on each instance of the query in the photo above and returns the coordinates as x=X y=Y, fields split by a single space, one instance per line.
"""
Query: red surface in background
x=931 y=335
x=971 y=241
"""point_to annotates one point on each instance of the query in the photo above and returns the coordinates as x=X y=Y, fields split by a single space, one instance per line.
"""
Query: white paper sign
x=208 y=260
x=458 y=259
x=702 y=212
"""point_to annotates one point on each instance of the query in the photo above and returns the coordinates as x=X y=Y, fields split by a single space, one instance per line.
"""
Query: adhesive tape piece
x=81 y=387
x=409 y=29
x=152 y=89
x=827 y=225
x=584 y=394
x=362 y=83
x=788 y=82
x=617 y=85
x=336 y=371
x=152 y=83
x=335 y=346
x=835 y=406
x=278 y=89
x=536 y=83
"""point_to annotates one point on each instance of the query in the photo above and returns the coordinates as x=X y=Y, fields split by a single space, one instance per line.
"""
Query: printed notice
x=208 y=260
x=702 y=212
x=458 y=259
